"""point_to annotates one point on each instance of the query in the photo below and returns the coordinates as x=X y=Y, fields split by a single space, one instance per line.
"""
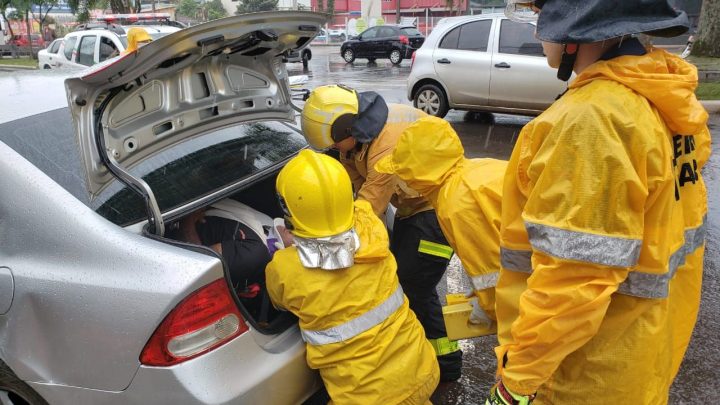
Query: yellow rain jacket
x=603 y=229
x=380 y=188
x=360 y=332
x=466 y=195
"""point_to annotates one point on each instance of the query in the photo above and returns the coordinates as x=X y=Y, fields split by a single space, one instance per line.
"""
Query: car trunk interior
x=258 y=310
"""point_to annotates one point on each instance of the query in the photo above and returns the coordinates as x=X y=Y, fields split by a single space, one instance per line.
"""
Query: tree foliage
x=707 y=39
x=252 y=6
x=206 y=11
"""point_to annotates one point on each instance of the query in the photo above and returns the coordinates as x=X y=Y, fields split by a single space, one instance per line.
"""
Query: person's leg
x=422 y=254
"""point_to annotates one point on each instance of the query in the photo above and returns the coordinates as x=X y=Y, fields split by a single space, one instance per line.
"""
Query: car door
x=462 y=63
x=53 y=53
x=385 y=41
x=521 y=77
x=69 y=52
x=366 y=43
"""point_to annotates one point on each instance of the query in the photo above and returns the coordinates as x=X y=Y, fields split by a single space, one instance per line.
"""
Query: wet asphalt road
x=493 y=136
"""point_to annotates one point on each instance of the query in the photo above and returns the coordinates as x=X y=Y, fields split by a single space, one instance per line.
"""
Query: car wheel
x=349 y=55
x=371 y=60
x=14 y=391
x=46 y=66
x=431 y=99
x=395 y=57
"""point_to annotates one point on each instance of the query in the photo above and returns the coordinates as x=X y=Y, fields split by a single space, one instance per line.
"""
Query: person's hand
x=286 y=236
x=499 y=395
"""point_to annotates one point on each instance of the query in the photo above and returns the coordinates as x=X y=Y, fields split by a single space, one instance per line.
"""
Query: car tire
x=15 y=391
x=432 y=100
x=46 y=66
x=395 y=57
x=348 y=55
x=372 y=60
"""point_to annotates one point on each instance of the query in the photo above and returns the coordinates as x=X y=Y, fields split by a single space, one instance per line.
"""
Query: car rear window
x=519 y=38
x=201 y=166
x=468 y=37
x=411 y=32
x=181 y=174
x=55 y=46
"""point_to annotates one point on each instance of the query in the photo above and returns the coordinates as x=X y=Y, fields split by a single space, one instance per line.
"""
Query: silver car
x=98 y=304
x=482 y=62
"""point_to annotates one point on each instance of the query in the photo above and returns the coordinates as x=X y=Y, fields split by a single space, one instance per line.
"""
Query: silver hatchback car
x=98 y=305
x=483 y=62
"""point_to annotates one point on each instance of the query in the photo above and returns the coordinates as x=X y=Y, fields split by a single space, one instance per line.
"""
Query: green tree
x=214 y=10
x=44 y=7
x=707 y=39
x=252 y=6
x=188 y=8
x=4 y=5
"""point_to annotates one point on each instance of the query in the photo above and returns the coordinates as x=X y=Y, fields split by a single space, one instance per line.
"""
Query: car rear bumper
x=238 y=372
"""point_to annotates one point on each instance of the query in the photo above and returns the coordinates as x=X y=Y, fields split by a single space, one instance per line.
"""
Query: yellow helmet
x=316 y=194
x=135 y=36
x=328 y=105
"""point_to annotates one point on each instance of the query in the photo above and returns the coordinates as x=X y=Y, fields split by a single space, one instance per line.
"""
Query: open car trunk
x=257 y=310
x=199 y=115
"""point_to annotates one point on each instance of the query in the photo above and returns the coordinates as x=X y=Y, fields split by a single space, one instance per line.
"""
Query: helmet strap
x=567 y=63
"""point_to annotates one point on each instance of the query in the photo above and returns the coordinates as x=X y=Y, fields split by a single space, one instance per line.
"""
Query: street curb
x=711 y=106
x=17 y=67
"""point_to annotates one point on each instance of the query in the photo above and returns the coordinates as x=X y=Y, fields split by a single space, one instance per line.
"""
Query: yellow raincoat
x=135 y=36
x=391 y=362
x=380 y=188
x=603 y=229
x=466 y=195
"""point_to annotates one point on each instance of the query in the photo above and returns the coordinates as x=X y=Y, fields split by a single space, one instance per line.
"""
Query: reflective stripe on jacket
x=602 y=236
x=361 y=334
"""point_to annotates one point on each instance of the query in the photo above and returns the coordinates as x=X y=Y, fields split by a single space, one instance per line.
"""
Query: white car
x=48 y=57
x=99 y=42
x=100 y=303
x=483 y=62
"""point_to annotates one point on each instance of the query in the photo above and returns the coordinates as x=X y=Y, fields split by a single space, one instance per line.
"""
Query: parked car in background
x=337 y=33
x=97 y=42
x=22 y=41
x=483 y=62
x=303 y=55
x=48 y=58
x=384 y=41
x=98 y=303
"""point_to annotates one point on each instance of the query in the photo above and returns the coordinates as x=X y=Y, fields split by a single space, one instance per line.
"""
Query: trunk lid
x=183 y=85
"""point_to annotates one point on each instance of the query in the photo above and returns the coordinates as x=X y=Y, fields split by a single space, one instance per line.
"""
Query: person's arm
x=188 y=227
x=378 y=188
x=587 y=194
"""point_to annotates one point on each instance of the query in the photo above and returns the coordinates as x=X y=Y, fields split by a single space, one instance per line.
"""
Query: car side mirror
x=359 y=37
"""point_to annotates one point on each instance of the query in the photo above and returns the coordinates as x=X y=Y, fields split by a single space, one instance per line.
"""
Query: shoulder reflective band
x=354 y=327
x=444 y=346
x=584 y=247
x=484 y=281
x=516 y=260
x=637 y=284
x=435 y=249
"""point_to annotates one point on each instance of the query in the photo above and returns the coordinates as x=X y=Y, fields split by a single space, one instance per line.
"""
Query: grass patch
x=708 y=91
x=704 y=63
x=19 y=62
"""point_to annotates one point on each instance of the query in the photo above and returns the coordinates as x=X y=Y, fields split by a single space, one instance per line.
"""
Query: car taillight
x=404 y=40
x=205 y=320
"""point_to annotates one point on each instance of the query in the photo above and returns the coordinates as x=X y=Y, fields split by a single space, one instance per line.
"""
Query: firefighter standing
x=603 y=214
